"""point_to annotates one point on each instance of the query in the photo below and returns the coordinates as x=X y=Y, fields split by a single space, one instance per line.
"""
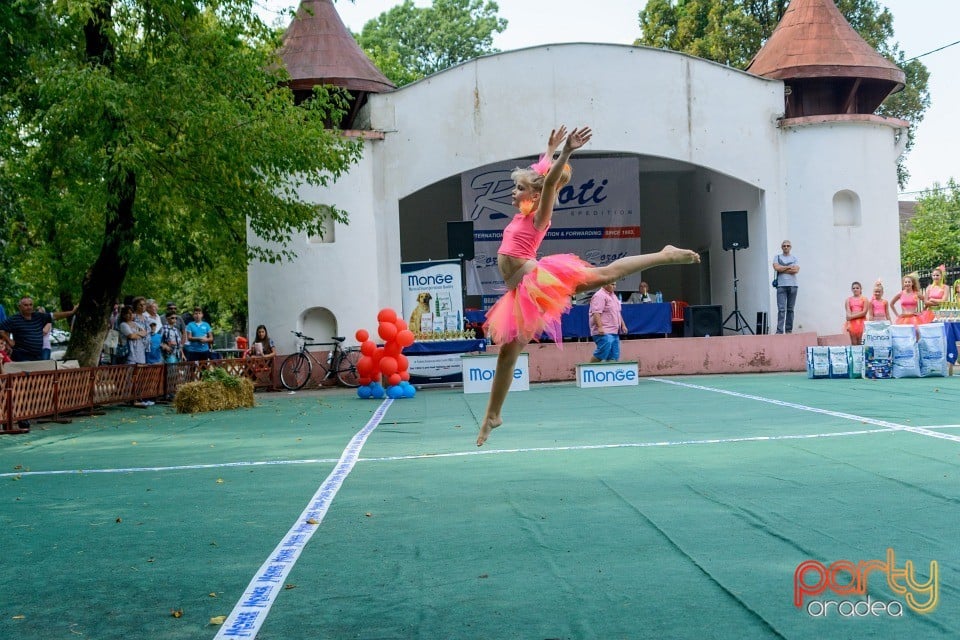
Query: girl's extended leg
x=502 y=377
x=632 y=264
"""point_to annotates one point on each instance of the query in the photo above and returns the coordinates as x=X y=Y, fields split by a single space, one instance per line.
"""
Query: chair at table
x=676 y=315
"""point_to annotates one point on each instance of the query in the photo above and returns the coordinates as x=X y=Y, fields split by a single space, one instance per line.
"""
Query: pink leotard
x=878 y=307
x=908 y=303
x=936 y=294
x=856 y=304
x=521 y=239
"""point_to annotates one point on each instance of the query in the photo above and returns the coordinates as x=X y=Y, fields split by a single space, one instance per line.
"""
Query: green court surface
x=679 y=508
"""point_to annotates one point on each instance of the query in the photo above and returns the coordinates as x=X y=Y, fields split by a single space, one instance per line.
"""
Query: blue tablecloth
x=641 y=319
x=445 y=346
x=953 y=335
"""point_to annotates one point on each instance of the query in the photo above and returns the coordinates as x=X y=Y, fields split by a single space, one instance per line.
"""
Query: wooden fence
x=55 y=393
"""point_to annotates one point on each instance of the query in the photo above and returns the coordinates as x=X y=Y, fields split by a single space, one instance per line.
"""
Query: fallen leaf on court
x=150 y=560
x=21 y=617
x=484 y=575
x=212 y=594
x=289 y=586
x=18 y=467
x=119 y=519
x=219 y=480
x=368 y=514
x=458 y=426
x=176 y=613
x=313 y=521
x=217 y=619
x=134 y=443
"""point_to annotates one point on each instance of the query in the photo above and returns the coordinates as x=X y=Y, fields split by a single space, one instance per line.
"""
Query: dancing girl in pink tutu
x=539 y=291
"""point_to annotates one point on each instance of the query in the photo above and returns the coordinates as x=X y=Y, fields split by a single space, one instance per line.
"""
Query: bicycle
x=341 y=364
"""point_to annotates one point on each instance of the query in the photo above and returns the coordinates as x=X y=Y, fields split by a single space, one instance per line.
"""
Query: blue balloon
x=395 y=392
x=377 y=391
x=409 y=391
x=364 y=392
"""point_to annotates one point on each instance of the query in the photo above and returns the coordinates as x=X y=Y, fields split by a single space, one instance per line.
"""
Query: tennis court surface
x=686 y=507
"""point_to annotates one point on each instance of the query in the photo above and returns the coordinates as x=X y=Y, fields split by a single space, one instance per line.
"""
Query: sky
x=920 y=26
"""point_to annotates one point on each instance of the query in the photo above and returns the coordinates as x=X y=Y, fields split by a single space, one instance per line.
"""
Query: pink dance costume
x=855 y=327
x=908 y=305
x=542 y=296
x=936 y=295
x=879 y=308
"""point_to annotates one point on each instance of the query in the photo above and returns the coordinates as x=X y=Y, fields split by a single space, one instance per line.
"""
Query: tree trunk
x=103 y=283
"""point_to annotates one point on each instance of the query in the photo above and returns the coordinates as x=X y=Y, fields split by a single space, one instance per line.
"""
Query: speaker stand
x=739 y=322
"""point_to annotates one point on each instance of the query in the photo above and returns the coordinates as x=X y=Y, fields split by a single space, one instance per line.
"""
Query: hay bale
x=197 y=397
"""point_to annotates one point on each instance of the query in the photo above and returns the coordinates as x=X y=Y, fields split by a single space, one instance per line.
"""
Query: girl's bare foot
x=674 y=255
x=488 y=425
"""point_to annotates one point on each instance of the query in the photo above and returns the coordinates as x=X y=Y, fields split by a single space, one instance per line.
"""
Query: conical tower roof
x=318 y=49
x=814 y=41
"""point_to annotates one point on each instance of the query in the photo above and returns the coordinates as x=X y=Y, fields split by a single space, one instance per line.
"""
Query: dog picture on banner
x=432 y=296
x=597 y=216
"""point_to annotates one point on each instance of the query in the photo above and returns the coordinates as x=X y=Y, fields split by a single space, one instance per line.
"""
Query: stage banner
x=597 y=215
x=432 y=297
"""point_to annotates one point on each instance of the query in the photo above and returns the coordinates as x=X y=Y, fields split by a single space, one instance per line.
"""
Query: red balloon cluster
x=385 y=362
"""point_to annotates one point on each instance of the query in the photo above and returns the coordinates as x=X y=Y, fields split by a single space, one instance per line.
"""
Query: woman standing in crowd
x=935 y=295
x=909 y=299
x=262 y=343
x=856 y=308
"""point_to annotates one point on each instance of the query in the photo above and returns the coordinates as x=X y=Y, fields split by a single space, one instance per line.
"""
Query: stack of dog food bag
x=888 y=351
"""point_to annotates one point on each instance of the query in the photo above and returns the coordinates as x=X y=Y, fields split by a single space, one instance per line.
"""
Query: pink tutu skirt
x=914 y=320
x=537 y=304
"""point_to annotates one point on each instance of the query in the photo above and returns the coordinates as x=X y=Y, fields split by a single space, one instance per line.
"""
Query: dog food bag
x=932 y=346
x=839 y=363
x=906 y=356
x=877 y=355
x=855 y=360
x=818 y=362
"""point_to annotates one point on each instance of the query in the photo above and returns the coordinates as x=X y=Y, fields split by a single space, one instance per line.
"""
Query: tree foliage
x=933 y=234
x=733 y=31
x=408 y=42
x=142 y=138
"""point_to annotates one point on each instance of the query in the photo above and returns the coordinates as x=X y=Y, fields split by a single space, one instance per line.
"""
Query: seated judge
x=638 y=297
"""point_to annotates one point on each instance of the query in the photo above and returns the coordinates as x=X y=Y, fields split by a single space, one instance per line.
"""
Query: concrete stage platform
x=684 y=356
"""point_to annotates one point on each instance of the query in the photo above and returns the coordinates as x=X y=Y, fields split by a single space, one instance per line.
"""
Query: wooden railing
x=55 y=393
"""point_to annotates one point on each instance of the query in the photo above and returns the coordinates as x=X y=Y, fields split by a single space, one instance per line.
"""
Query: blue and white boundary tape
x=250 y=612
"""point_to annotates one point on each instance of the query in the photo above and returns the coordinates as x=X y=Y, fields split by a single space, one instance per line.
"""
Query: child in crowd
x=935 y=294
x=878 y=309
x=538 y=291
x=856 y=308
x=909 y=299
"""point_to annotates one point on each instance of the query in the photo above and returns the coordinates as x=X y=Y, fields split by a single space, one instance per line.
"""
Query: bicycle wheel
x=295 y=371
x=347 y=368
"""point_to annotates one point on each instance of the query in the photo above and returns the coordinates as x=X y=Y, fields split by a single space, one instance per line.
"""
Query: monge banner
x=432 y=296
x=597 y=215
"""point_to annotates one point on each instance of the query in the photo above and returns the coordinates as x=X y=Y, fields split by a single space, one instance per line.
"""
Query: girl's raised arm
x=576 y=139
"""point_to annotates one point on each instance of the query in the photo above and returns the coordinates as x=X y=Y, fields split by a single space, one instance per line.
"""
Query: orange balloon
x=387 y=331
x=365 y=365
x=404 y=375
x=364 y=381
x=388 y=365
x=368 y=348
x=405 y=338
x=362 y=335
x=401 y=324
x=387 y=315
x=392 y=348
x=394 y=379
x=402 y=363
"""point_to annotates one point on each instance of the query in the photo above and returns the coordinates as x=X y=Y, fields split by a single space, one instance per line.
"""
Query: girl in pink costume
x=878 y=309
x=934 y=296
x=538 y=291
x=856 y=308
x=909 y=299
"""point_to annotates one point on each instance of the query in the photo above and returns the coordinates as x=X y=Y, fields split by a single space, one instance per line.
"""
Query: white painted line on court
x=802 y=407
x=250 y=612
x=179 y=467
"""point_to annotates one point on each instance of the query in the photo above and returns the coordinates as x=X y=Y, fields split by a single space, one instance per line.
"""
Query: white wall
x=820 y=160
